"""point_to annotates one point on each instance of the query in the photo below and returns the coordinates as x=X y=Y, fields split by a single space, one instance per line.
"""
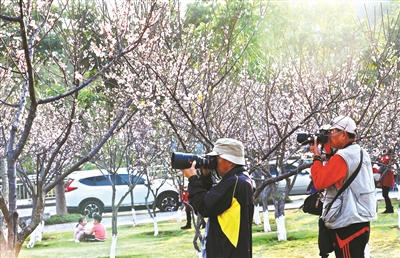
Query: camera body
x=308 y=138
x=181 y=160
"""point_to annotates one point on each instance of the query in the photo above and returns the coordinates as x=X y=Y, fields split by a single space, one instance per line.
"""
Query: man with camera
x=228 y=204
x=348 y=215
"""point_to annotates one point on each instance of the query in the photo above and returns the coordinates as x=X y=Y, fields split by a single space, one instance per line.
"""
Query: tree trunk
x=13 y=246
x=398 y=215
x=256 y=216
x=114 y=230
x=4 y=191
x=280 y=218
x=133 y=209
x=15 y=239
x=114 y=222
x=61 y=204
x=267 y=226
x=113 y=246
x=264 y=196
x=134 y=217
x=155 y=226
x=4 y=179
x=280 y=224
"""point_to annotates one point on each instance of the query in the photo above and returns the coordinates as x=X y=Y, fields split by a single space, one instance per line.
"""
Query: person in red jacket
x=387 y=177
x=188 y=209
x=349 y=228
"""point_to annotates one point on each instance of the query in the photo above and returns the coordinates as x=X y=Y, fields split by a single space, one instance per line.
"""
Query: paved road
x=142 y=217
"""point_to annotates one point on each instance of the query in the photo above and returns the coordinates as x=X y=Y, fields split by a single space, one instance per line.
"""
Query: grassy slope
x=174 y=242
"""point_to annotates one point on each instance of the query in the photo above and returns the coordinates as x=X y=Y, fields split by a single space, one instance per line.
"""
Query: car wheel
x=90 y=208
x=168 y=202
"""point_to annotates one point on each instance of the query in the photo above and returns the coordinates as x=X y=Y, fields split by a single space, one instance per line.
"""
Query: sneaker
x=388 y=211
x=77 y=241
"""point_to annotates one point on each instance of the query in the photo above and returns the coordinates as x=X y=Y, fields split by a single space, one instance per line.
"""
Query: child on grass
x=80 y=229
x=98 y=232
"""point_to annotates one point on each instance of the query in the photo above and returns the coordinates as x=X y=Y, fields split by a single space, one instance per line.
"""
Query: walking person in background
x=387 y=178
x=188 y=209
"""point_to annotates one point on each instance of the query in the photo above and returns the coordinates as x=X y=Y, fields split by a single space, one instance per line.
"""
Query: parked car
x=303 y=178
x=90 y=192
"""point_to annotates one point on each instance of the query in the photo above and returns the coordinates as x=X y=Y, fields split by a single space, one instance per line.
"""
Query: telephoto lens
x=305 y=138
x=181 y=160
x=308 y=138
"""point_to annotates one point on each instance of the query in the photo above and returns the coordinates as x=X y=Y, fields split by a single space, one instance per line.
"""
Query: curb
x=29 y=206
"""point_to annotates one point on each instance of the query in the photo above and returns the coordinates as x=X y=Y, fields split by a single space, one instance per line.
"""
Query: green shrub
x=59 y=219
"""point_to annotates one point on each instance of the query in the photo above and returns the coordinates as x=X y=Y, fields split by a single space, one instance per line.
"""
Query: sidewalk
x=142 y=216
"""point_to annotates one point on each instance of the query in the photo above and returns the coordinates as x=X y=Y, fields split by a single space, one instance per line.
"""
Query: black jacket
x=211 y=201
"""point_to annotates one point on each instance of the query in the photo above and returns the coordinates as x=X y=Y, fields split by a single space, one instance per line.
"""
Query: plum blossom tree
x=113 y=156
x=300 y=91
x=44 y=119
x=301 y=85
x=60 y=61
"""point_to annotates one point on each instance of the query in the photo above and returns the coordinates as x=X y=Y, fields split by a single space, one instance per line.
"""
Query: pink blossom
x=78 y=76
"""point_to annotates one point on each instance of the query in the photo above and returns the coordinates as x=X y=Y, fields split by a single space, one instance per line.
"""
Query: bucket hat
x=229 y=149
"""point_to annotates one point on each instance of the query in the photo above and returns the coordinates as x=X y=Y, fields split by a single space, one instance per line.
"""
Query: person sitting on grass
x=98 y=229
x=80 y=229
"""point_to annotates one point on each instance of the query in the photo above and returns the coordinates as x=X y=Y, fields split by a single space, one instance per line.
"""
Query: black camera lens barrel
x=181 y=160
x=308 y=138
x=305 y=138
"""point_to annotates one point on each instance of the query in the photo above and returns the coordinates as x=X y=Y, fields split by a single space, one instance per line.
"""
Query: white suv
x=89 y=192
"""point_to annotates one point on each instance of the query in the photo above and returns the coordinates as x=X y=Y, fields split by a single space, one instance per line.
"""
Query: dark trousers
x=188 y=215
x=87 y=237
x=350 y=241
x=385 y=194
x=90 y=238
x=189 y=211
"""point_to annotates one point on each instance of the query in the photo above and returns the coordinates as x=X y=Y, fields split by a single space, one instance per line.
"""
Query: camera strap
x=347 y=183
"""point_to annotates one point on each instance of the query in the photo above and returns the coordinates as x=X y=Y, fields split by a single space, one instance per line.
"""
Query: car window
x=138 y=180
x=90 y=181
x=102 y=180
x=290 y=167
x=124 y=179
x=118 y=180
x=272 y=170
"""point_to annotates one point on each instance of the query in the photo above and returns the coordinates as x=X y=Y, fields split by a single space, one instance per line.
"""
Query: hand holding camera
x=315 y=139
x=314 y=148
x=321 y=137
x=188 y=172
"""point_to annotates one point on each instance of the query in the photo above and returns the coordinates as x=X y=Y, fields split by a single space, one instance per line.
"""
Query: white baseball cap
x=344 y=123
x=229 y=149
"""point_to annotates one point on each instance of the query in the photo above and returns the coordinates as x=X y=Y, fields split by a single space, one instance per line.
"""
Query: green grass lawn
x=173 y=242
